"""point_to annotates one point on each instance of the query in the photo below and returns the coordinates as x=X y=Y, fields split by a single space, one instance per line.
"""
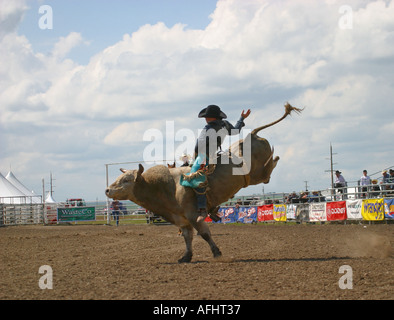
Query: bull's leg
x=204 y=232
x=187 y=233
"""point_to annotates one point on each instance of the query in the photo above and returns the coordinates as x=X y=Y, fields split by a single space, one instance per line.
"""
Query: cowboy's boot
x=213 y=214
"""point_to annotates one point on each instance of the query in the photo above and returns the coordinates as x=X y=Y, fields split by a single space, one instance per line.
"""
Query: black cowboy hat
x=212 y=111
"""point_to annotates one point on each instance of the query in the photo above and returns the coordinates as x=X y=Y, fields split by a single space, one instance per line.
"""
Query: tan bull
x=158 y=189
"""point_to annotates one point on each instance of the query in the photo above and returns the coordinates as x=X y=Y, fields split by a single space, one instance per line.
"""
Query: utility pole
x=331 y=168
x=51 y=184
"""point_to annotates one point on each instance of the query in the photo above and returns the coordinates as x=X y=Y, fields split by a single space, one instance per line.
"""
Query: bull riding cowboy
x=204 y=152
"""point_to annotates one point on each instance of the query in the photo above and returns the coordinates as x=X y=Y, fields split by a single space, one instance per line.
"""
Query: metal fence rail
x=383 y=190
x=21 y=214
x=29 y=213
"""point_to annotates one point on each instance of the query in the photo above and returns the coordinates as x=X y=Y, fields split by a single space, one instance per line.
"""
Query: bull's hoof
x=217 y=253
x=187 y=258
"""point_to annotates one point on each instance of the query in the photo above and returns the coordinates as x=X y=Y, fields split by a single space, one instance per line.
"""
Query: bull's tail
x=288 y=109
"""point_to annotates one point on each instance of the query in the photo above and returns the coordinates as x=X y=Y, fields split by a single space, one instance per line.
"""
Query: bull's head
x=123 y=187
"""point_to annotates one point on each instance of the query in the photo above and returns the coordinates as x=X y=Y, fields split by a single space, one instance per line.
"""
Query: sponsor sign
x=265 y=213
x=247 y=214
x=279 y=212
x=317 y=211
x=291 y=211
x=228 y=215
x=302 y=213
x=336 y=210
x=353 y=209
x=372 y=209
x=389 y=208
x=76 y=214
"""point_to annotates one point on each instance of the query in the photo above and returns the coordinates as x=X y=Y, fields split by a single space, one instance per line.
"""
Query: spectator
x=340 y=183
x=385 y=180
x=390 y=180
x=375 y=188
x=365 y=182
x=314 y=197
x=292 y=198
x=304 y=197
x=321 y=197
x=115 y=211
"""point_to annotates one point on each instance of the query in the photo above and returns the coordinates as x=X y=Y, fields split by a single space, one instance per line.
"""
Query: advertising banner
x=389 y=208
x=373 y=209
x=228 y=215
x=336 y=210
x=76 y=214
x=302 y=213
x=353 y=209
x=247 y=214
x=291 y=211
x=317 y=211
x=279 y=212
x=265 y=213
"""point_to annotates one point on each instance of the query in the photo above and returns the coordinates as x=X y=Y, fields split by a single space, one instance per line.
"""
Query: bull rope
x=207 y=171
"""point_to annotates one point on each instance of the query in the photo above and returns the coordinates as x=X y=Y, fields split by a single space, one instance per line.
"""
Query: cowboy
x=205 y=150
x=340 y=183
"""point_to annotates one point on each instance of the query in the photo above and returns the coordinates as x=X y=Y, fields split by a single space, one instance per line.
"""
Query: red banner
x=265 y=213
x=336 y=210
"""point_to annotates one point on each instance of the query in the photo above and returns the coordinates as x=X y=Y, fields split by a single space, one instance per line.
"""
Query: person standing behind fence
x=390 y=180
x=340 y=183
x=375 y=190
x=365 y=181
x=385 y=180
x=115 y=211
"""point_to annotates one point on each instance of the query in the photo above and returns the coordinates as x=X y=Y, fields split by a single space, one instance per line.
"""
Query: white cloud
x=66 y=44
x=131 y=133
x=11 y=13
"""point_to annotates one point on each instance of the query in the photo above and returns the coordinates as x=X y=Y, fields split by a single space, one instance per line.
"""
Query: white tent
x=49 y=198
x=8 y=191
x=11 y=178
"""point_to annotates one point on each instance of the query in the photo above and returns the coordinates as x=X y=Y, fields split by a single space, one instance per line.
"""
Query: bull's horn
x=139 y=172
x=122 y=170
x=288 y=109
x=140 y=169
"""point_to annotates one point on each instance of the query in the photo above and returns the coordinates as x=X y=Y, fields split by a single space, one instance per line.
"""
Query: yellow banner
x=279 y=212
x=373 y=210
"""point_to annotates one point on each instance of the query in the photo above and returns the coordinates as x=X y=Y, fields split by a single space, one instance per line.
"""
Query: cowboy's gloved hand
x=245 y=114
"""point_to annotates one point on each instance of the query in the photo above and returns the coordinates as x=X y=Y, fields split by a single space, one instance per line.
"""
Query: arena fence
x=359 y=203
x=377 y=209
x=371 y=210
x=21 y=214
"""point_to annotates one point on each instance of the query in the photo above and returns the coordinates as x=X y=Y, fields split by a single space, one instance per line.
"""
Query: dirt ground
x=259 y=262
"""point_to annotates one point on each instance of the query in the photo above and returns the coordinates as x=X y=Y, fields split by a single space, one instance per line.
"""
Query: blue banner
x=228 y=215
x=247 y=214
x=389 y=208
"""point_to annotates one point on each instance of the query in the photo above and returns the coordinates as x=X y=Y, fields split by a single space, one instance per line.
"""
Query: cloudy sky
x=83 y=84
